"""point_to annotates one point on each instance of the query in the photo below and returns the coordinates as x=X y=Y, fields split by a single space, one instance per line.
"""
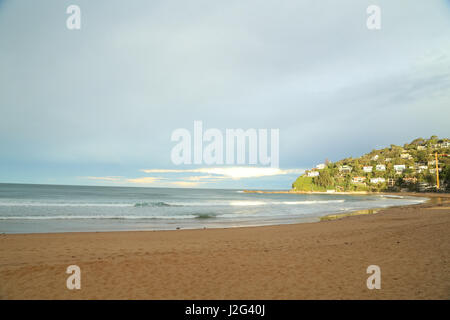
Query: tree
x=357 y=168
x=422 y=156
x=446 y=176
x=324 y=179
x=431 y=179
x=418 y=141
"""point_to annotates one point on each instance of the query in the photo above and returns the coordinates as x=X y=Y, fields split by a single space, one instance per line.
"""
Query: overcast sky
x=97 y=106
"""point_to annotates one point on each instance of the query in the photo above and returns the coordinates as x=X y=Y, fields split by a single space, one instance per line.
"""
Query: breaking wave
x=106 y=217
x=238 y=203
x=63 y=204
x=153 y=204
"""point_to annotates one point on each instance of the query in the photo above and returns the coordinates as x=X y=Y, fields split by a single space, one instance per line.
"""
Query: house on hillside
x=345 y=169
x=367 y=168
x=399 y=168
x=424 y=186
x=420 y=148
x=380 y=167
x=406 y=156
x=312 y=173
x=410 y=180
x=377 y=180
x=320 y=166
x=391 y=182
x=375 y=158
x=358 y=179
x=388 y=159
x=421 y=168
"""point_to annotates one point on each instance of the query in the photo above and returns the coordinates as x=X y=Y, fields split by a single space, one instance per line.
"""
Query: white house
x=380 y=167
x=377 y=180
x=421 y=168
x=410 y=180
x=405 y=156
x=367 y=168
x=399 y=168
x=345 y=168
x=445 y=144
x=424 y=186
x=358 y=179
x=320 y=166
x=388 y=159
x=375 y=157
x=421 y=148
x=313 y=173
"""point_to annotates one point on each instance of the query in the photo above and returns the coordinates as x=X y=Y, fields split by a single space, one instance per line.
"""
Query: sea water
x=26 y=208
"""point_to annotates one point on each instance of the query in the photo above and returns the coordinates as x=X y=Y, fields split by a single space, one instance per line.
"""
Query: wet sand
x=322 y=260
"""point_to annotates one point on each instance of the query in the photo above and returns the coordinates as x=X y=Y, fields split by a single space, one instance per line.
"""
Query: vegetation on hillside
x=408 y=168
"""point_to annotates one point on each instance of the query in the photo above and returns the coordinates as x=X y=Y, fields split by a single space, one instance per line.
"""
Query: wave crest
x=153 y=204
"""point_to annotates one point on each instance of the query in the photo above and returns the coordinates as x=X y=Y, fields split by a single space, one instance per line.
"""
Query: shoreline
x=325 y=260
x=436 y=199
x=412 y=194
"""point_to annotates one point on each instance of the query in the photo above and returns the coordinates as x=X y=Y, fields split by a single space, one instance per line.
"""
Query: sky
x=98 y=105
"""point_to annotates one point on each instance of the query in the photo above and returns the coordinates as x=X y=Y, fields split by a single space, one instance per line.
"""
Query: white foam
x=66 y=204
x=124 y=217
x=312 y=202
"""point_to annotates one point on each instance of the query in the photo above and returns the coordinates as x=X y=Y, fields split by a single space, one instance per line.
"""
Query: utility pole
x=437 y=170
x=437 y=167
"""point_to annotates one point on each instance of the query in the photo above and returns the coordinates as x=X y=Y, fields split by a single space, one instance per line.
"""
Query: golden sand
x=323 y=260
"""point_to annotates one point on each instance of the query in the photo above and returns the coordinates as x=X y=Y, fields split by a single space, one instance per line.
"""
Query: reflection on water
x=343 y=215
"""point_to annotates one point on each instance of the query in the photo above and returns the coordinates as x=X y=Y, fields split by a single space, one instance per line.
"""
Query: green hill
x=408 y=168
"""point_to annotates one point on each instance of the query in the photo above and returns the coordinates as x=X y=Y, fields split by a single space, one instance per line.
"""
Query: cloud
x=166 y=170
x=104 y=100
x=210 y=178
x=145 y=180
x=231 y=172
x=185 y=184
x=198 y=176
x=110 y=178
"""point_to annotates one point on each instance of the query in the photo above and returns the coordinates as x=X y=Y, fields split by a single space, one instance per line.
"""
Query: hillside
x=408 y=168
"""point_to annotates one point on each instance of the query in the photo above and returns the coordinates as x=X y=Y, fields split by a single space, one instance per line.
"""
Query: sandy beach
x=323 y=260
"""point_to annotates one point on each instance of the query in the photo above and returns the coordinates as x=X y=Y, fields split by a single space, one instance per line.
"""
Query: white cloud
x=231 y=172
x=145 y=180
x=109 y=178
x=185 y=184
x=195 y=177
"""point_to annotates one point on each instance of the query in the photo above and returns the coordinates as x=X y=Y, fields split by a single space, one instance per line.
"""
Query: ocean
x=26 y=208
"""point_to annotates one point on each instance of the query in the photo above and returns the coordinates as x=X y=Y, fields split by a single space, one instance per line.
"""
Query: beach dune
x=323 y=260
